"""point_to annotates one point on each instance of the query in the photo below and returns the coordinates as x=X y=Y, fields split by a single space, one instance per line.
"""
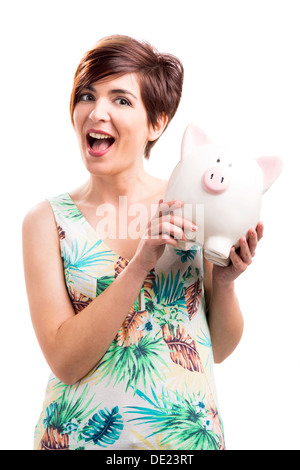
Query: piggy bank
x=222 y=191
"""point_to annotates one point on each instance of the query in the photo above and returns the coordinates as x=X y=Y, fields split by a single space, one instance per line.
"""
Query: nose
x=100 y=111
x=215 y=180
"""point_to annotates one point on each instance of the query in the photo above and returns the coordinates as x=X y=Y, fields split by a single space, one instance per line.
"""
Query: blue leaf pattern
x=104 y=428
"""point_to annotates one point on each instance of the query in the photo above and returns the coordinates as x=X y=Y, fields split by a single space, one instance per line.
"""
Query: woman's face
x=111 y=125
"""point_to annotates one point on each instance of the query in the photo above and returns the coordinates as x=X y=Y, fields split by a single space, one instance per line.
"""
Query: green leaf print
x=63 y=416
x=78 y=261
x=134 y=364
x=85 y=257
x=68 y=208
x=103 y=282
x=105 y=427
x=68 y=407
x=183 y=422
x=168 y=289
x=187 y=255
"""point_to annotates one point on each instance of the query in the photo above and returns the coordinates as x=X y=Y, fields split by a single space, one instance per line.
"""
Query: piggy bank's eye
x=218 y=161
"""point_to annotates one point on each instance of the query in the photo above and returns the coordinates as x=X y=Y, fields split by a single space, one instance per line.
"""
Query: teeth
x=99 y=136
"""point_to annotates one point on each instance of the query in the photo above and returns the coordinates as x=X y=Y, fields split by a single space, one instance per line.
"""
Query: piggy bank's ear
x=271 y=168
x=192 y=137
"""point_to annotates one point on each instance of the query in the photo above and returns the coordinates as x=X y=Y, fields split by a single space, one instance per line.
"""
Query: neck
x=132 y=183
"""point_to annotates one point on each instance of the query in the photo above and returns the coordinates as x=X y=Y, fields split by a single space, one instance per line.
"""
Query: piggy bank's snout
x=215 y=180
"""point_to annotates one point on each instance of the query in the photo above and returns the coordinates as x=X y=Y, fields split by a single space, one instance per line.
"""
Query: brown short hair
x=161 y=75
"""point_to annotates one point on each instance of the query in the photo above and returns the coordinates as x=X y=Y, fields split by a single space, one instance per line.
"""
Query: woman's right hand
x=163 y=229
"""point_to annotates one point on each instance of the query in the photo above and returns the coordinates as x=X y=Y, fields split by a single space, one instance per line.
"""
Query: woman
x=129 y=346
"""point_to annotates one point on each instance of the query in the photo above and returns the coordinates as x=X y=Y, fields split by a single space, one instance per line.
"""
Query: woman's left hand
x=241 y=258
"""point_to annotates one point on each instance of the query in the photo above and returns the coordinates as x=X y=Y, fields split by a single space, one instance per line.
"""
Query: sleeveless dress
x=154 y=387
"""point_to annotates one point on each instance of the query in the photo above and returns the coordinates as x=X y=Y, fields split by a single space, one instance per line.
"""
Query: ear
x=271 y=168
x=192 y=137
x=156 y=131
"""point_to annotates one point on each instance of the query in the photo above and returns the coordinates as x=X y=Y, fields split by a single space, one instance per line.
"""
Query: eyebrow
x=115 y=91
x=122 y=92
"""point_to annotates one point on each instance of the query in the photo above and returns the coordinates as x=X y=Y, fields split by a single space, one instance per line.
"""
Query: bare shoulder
x=41 y=212
x=40 y=238
x=39 y=221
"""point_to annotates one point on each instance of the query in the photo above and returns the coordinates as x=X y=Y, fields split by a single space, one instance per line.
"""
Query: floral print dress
x=154 y=387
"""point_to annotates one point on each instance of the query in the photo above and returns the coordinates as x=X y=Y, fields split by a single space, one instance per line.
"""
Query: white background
x=241 y=86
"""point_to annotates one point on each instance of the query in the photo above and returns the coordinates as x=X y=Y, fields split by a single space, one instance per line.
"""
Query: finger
x=168 y=206
x=173 y=230
x=237 y=261
x=162 y=227
x=166 y=229
x=252 y=241
x=175 y=203
x=245 y=253
x=169 y=240
x=184 y=224
x=162 y=242
x=260 y=230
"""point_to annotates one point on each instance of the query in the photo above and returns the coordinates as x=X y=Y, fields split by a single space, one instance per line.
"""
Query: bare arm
x=73 y=344
x=225 y=318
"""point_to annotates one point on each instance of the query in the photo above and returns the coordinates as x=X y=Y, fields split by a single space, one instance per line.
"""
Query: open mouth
x=99 y=143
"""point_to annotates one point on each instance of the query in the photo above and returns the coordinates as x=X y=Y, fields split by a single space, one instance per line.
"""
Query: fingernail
x=194 y=228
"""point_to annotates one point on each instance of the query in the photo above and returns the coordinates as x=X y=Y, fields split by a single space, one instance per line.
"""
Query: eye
x=218 y=161
x=123 y=101
x=86 y=97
